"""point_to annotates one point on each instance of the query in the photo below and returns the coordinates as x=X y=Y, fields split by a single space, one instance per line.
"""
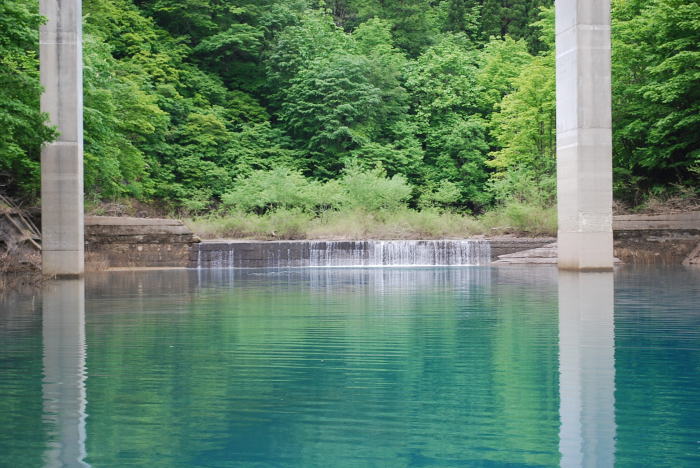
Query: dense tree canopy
x=187 y=101
x=657 y=91
x=22 y=124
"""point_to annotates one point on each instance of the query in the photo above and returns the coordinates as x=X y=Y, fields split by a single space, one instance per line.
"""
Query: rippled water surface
x=424 y=367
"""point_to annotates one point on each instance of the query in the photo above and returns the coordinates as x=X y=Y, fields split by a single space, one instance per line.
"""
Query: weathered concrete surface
x=122 y=230
x=669 y=239
x=162 y=243
x=128 y=221
x=139 y=242
x=670 y=221
x=546 y=255
x=693 y=257
x=584 y=134
x=250 y=254
x=509 y=245
x=60 y=47
x=262 y=254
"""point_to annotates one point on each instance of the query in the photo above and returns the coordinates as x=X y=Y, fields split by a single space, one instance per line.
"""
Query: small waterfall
x=440 y=252
x=399 y=253
x=342 y=253
x=339 y=253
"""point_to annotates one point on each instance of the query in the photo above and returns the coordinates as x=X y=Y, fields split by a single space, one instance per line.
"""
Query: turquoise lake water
x=375 y=367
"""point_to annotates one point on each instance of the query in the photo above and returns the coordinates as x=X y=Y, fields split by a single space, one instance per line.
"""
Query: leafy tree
x=443 y=194
x=446 y=97
x=259 y=146
x=23 y=126
x=515 y=18
x=501 y=61
x=118 y=116
x=524 y=124
x=413 y=22
x=332 y=107
x=372 y=190
x=186 y=100
x=461 y=16
x=344 y=13
x=315 y=37
x=282 y=188
x=656 y=92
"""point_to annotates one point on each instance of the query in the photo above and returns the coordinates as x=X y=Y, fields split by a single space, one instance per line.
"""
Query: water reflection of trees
x=424 y=364
x=22 y=433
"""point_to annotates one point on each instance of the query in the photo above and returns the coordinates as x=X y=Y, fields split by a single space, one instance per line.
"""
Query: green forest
x=313 y=107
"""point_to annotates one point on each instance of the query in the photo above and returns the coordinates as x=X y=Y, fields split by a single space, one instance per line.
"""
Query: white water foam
x=356 y=253
x=400 y=253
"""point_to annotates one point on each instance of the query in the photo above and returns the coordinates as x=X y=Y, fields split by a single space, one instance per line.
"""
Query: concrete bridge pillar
x=584 y=134
x=62 y=161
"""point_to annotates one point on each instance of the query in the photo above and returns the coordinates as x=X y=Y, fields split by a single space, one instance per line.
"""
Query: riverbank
x=430 y=237
x=19 y=269
x=136 y=242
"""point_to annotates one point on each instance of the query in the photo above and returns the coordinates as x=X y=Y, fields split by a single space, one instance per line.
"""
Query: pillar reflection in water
x=586 y=369
x=63 y=323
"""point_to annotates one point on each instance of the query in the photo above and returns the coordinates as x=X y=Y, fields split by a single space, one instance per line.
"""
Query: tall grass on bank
x=521 y=218
x=362 y=204
x=403 y=223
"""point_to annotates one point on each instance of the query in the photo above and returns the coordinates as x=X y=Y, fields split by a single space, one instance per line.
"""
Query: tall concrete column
x=62 y=161
x=586 y=370
x=584 y=134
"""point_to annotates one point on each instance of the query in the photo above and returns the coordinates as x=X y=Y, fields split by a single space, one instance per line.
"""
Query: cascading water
x=342 y=253
x=400 y=253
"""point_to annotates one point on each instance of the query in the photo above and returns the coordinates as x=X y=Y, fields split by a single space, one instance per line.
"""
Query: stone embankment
x=121 y=242
x=669 y=239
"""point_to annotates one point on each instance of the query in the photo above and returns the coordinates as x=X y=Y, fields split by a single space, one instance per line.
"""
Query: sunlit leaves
x=23 y=126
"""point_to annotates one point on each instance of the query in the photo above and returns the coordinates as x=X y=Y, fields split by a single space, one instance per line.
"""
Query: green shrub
x=283 y=188
x=523 y=186
x=372 y=191
x=403 y=223
x=446 y=193
x=279 y=188
x=198 y=201
x=288 y=224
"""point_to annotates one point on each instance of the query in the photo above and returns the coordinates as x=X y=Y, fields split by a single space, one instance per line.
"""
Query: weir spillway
x=368 y=253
